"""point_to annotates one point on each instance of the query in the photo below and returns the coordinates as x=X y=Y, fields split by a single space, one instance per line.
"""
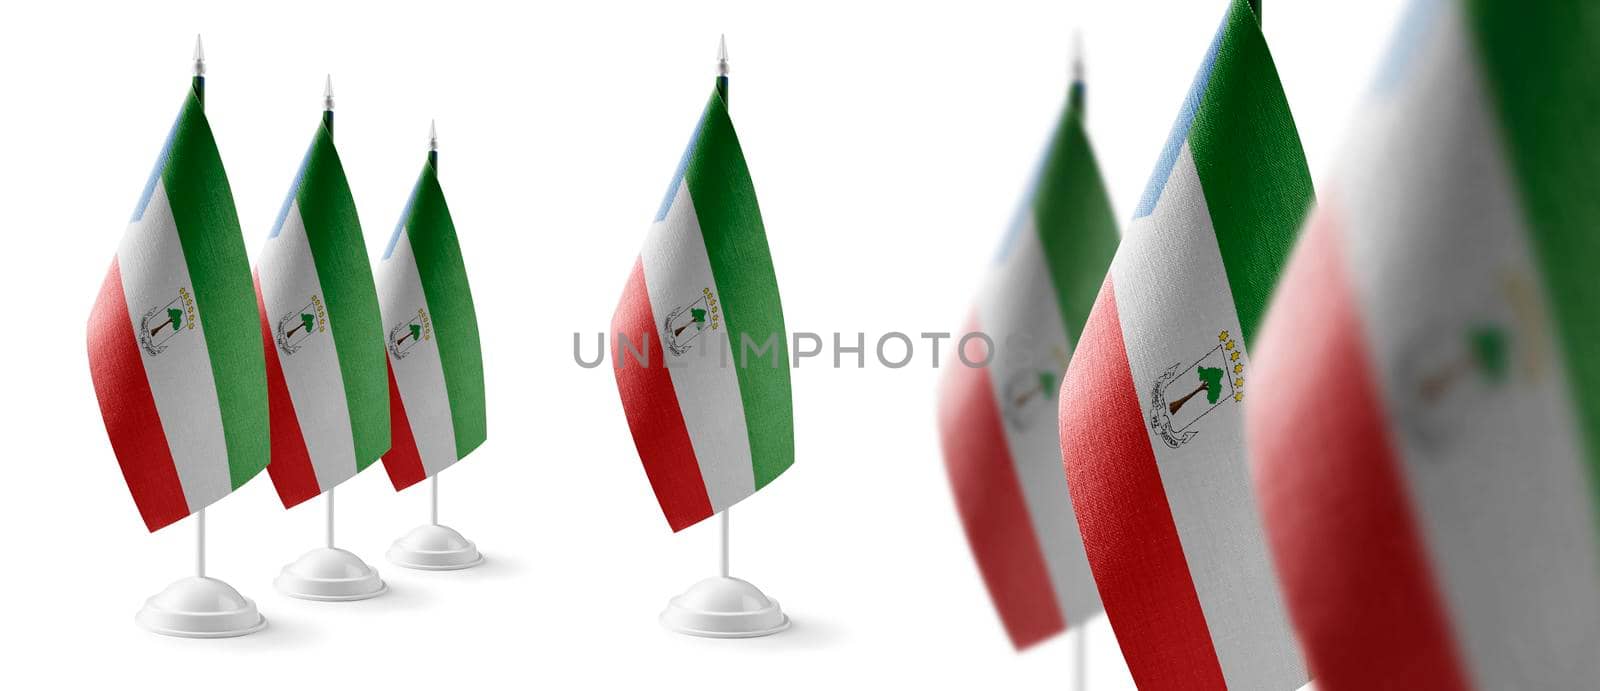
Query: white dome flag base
x=724 y=607
x=330 y=574
x=200 y=607
x=434 y=547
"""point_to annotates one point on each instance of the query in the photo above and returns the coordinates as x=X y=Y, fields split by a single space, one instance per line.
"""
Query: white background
x=889 y=143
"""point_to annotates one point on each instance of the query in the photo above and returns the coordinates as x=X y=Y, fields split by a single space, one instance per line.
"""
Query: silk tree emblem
x=297 y=326
x=1454 y=375
x=1185 y=393
x=405 y=336
x=1457 y=368
x=1482 y=355
x=165 y=322
x=685 y=324
x=1029 y=394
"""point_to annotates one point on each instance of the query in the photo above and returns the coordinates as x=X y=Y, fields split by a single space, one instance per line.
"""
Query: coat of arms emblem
x=163 y=323
x=685 y=324
x=1456 y=367
x=297 y=325
x=1185 y=393
x=407 y=334
x=1029 y=393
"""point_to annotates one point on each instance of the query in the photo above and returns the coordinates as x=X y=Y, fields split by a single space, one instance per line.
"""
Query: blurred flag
x=1427 y=430
x=431 y=332
x=699 y=347
x=326 y=377
x=1151 y=421
x=997 y=423
x=173 y=347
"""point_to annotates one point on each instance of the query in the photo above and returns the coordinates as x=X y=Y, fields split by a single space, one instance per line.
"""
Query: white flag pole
x=722 y=86
x=1080 y=658
x=329 y=544
x=200 y=543
x=433 y=500
x=723 y=571
x=1080 y=634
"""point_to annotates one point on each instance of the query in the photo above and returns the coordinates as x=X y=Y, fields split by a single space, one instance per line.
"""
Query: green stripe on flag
x=443 y=272
x=1540 y=59
x=340 y=254
x=730 y=222
x=1248 y=156
x=1073 y=217
x=213 y=248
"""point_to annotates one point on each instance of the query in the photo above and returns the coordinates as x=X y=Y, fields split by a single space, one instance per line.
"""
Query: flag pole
x=329 y=505
x=327 y=121
x=433 y=145
x=723 y=564
x=722 y=89
x=433 y=162
x=722 y=67
x=200 y=543
x=1077 y=100
x=199 y=86
x=1080 y=654
x=1075 y=95
x=433 y=496
x=327 y=105
x=199 y=82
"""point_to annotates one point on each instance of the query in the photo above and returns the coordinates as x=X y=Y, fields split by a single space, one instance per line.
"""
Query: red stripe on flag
x=129 y=408
x=403 y=462
x=651 y=405
x=290 y=467
x=989 y=499
x=1123 y=515
x=1355 y=573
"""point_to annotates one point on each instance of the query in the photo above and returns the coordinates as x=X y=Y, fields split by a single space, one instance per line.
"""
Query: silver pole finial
x=722 y=56
x=199 y=57
x=327 y=94
x=1077 y=55
x=433 y=135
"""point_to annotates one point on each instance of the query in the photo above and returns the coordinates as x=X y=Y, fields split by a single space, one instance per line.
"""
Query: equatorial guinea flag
x=699 y=347
x=436 y=401
x=1426 y=435
x=1151 y=422
x=173 y=348
x=998 y=423
x=326 y=377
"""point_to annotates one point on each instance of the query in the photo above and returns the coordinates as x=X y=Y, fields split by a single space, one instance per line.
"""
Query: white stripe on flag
x=1174 y=302
x=155 y=276
x=1017 y=308
x=289 y=285
x=677 y=272
x=1495 y=472
x=420 y=374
